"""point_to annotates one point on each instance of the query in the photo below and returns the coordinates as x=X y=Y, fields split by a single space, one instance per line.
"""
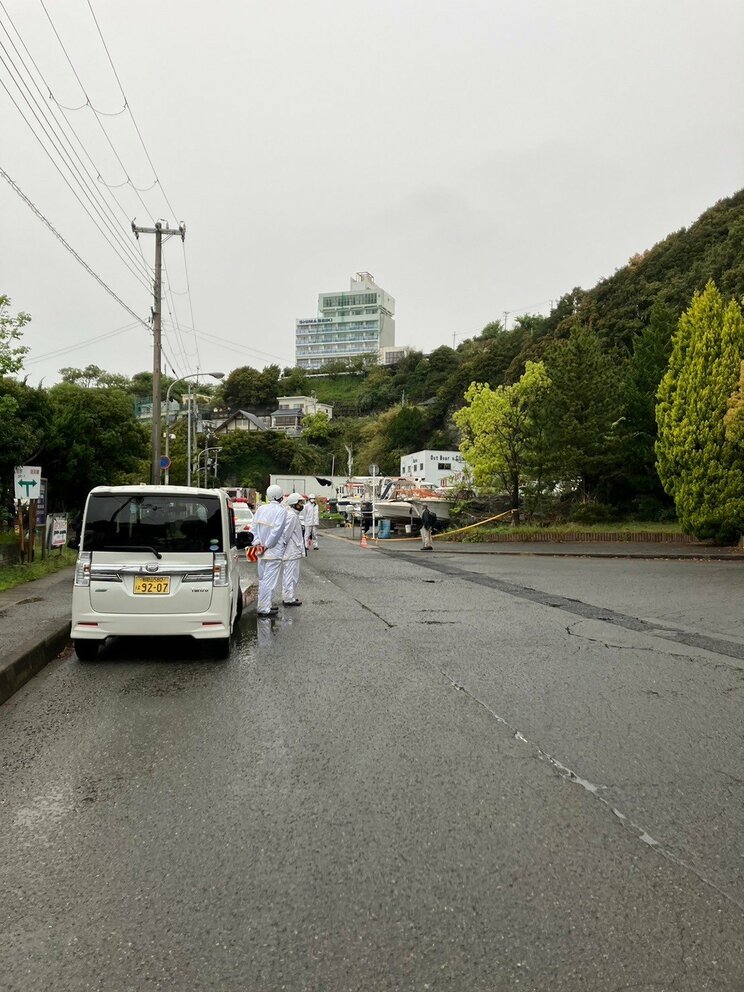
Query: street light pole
x=191 y=375
x=373 y=470
x=205 y=451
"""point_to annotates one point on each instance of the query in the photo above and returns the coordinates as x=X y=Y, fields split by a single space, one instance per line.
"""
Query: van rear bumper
x=98 y=626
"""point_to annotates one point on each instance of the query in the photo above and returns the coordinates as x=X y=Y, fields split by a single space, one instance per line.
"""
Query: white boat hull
x=406 y=510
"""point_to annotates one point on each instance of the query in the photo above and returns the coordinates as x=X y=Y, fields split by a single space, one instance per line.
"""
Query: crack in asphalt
x=594 y=790
x=587 y=611
x=623 y=647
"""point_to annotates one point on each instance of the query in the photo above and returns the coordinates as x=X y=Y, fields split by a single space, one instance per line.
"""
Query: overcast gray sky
x=476 y=157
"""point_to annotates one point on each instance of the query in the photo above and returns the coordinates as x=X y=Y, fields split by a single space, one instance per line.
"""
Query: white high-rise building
x=358 y=322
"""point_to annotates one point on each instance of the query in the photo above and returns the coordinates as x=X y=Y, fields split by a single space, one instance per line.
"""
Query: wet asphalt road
x=441 y=772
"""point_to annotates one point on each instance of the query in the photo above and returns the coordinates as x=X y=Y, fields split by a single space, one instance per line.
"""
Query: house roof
x=244 y=415
x=293 y=412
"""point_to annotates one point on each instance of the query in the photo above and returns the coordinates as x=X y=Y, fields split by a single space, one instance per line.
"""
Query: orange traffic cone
x=363 y=542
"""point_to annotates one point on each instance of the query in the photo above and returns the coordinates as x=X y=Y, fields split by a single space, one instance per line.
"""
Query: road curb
x=642 y=555
x=29 y=659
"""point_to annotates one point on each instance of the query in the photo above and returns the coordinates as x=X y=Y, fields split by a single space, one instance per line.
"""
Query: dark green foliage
x=636 y=429
x=24 y=416
x=593 y=513
x=92 y=440
x=246 y=387
x=580 y=410
x=377 y=391
x=248 y=458
x=406 y=431
x=619 y=307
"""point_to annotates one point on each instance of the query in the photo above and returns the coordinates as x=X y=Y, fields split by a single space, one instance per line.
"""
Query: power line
x=48 y=129
x=62 y=122
x=126 y=104
x=98 y=120
x=234 y=346
x=172 y=310
x=68 y=246
x=149 y=159
x=81 y=344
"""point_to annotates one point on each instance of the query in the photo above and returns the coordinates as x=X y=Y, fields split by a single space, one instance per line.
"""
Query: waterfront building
x=434 y=468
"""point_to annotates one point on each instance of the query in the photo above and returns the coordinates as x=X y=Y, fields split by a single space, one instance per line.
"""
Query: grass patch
x=630 y=527
x=343 y=390
x=618 y=531
x=16 y=575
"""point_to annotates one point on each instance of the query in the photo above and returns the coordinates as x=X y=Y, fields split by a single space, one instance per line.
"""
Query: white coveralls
x=268 y=530
x=294 y=550
x=311 y=523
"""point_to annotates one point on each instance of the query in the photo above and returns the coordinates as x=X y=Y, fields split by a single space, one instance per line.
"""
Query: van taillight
x=219 y=573
x=82 y=569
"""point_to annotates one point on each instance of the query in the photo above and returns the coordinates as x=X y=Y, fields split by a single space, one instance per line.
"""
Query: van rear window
x=145 y=520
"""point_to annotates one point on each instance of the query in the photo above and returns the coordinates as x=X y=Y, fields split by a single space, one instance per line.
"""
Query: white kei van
x=156 y=561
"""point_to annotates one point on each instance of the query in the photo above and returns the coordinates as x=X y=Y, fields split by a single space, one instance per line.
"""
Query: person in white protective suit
x=311 y=523
x=294 y=550
x=269 y=524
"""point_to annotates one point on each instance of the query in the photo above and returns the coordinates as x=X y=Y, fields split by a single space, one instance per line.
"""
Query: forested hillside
x=588 y=403
x=606 y=349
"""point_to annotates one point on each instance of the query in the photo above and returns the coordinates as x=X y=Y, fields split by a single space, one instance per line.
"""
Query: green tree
x=293 y=383
x=377 y=391
x=92 y=375
x=246 y=387
x=316 y=428
x=501 y=430
x=734 y=419
x=580 y=409
x=699 y=466
x=24 y=423
x=639 y=483
x=93 y=440
x=406 y=429
x=248 y=458
x=11 y=354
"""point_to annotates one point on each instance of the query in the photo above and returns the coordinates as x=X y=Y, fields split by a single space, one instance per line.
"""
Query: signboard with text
x=41 y=506
x=27 y=481
x=58 y=532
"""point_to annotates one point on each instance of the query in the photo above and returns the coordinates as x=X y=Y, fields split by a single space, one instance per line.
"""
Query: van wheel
x=239 y=607
x=86 y=650
x=221 y=649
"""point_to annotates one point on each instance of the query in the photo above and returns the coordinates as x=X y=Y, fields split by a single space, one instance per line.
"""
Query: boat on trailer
x=402 y=501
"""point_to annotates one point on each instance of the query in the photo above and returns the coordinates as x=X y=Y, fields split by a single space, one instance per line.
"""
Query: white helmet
x=293 y=499
x=274 y=492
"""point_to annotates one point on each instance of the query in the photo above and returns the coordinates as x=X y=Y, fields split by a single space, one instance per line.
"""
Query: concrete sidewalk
x=34 y=628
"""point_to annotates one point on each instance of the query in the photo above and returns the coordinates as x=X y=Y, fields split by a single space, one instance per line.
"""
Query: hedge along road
x=456 y=775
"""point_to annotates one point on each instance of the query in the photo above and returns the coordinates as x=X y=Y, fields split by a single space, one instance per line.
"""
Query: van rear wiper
x=134 y=547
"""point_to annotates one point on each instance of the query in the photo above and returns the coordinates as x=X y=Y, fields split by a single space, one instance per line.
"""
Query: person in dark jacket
x=428 y=519
x=366 y=516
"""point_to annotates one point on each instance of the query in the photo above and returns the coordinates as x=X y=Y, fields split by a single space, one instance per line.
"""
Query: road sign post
x=27 y=481
x=27 y=487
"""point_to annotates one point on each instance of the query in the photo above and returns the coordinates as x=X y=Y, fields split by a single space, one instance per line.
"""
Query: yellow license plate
x=152 y=587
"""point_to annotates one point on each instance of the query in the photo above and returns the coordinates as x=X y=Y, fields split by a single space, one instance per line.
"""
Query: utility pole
x=159 y=231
